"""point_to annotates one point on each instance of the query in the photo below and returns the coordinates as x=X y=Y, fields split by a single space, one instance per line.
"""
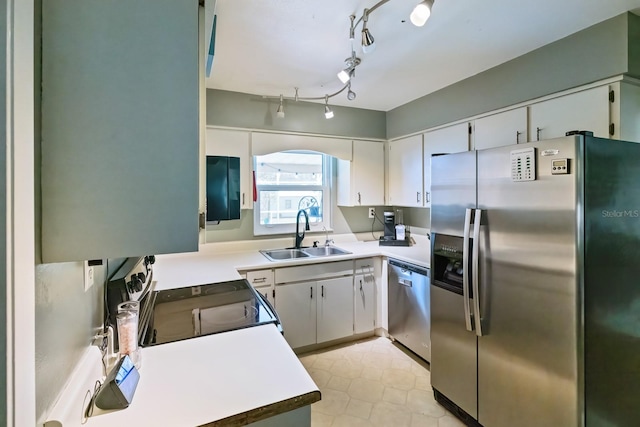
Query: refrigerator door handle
x=474 y=268
x=465 y=270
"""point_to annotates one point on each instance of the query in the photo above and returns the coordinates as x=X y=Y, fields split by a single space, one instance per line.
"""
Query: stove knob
x=151 y=259
x=136 y=283
x=130 y=287
x=142 y=277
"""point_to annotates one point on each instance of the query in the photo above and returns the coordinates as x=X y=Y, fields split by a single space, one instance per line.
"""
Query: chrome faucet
x=327 y=241
x=300 y=237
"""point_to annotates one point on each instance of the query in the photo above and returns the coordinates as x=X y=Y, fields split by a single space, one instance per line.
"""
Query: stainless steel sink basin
x=280 y=254
x=325 y=251
x=285 y=254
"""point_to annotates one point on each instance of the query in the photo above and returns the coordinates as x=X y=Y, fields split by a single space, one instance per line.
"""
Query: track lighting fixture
x=350 y=68
x=368 y=42
x=328 y=113
x=280 y=112
x=419 y=17
x=352 y=30
x=421 y=13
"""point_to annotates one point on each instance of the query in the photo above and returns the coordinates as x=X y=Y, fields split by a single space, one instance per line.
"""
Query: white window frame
x=272 y=229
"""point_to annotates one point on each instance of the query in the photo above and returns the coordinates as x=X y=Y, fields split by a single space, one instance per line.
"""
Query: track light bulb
x=328 y=114
x=368 y=42
x=344 y=75
x=421 y=13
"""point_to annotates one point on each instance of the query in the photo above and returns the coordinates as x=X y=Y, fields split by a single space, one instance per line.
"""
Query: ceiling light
x=419 y=16
x=368 y=42
x=344 y=75
x=421 y=13
x=350 y=68
x=328 y=114
x=280 y=112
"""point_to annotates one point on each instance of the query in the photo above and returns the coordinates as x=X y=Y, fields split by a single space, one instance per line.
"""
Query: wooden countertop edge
x=267 y=411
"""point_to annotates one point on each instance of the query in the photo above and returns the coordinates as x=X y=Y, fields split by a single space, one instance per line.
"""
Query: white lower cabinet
x=267 y=292
x=334 y=309
x=364 y=292
x=296 y=305
x=316 y=312
x=315 y=302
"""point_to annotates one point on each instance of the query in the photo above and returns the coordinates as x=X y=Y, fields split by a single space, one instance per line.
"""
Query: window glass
x=287 y=183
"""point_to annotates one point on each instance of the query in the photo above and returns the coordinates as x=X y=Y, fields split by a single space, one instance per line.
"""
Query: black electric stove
x=188 y=312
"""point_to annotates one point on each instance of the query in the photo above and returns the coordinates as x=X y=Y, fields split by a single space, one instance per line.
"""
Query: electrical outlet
x=89 y=271
x=372 y=212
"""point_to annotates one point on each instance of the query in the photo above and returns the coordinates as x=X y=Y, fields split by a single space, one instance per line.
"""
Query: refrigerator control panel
x=559 y=166
x=523 y=164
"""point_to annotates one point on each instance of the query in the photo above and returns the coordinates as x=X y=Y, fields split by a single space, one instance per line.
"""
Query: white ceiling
x=268 y=47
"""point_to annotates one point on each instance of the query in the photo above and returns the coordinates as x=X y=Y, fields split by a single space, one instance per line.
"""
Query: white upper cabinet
x=234 y=144
x=586 y=110
x=625 y=111
x=120 y=128
x=497 y=130
x=405 y=172
x=361 y=180
x=451 y=139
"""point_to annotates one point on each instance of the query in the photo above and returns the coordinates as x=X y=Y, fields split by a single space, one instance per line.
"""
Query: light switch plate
x=89 y=275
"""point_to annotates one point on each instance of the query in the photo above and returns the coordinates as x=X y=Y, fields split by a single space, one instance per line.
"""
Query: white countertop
x=220 y=262
x=201 y=380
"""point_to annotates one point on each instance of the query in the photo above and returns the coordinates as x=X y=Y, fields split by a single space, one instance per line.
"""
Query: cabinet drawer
x=260 y=277
x=364 y=265
x=313 y=271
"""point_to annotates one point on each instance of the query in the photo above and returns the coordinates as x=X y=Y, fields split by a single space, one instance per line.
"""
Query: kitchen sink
x=325 y=251
x=285 y=254
x=280 y=254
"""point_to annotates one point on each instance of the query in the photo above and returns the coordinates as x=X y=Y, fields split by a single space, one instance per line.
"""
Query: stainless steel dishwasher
x=409 y=310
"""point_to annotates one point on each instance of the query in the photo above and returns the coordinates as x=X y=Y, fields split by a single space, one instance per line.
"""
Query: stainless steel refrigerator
x=535 y=284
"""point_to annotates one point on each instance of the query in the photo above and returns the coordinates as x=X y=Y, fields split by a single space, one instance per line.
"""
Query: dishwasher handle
x=405 y=282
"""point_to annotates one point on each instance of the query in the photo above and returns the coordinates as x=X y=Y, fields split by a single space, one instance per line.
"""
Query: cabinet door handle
x=259 y=279
x=518 y=133
x=428 y=197
x=322 y=291
x=417 y=196
x=242 y=199
x=359 y=198
x=311 y=288
x=538 y=130
x=360 y=285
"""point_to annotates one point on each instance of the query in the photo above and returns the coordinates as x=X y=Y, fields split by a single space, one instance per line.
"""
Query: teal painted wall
x=241 y=110
x=607 y=49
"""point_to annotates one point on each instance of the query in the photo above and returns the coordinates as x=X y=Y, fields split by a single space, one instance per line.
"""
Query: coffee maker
x=390 y=238
x=389 y=226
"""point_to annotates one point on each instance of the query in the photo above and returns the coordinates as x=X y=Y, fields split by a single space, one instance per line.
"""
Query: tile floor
x=373 y=382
